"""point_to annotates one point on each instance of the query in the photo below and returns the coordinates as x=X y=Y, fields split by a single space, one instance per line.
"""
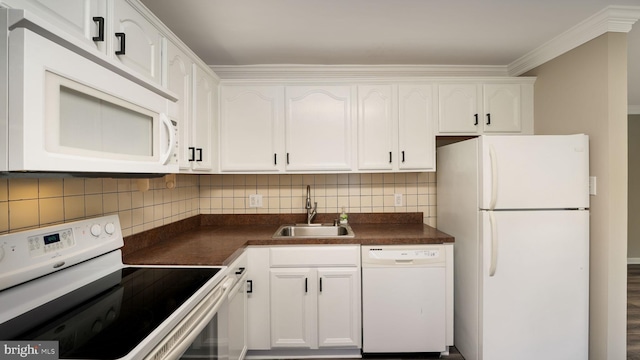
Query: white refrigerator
x=518 y=207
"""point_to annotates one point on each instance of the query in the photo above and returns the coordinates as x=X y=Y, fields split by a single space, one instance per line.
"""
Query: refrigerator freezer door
x=534 y=172
x=536 y=305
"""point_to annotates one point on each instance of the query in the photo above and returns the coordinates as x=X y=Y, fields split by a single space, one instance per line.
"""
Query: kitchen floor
x=453 y=355
x=633 y=312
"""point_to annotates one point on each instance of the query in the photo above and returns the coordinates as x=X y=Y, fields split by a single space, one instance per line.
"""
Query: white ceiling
x=372 y=32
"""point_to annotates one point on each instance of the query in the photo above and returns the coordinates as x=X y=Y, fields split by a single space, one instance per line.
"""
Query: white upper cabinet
x=136 y=41
x=395 y=127
x=502 y=108
x=252 y=128
x=195 y=111
x=84 y=19
x=377 y=127
x=122 y=31
x=459 y=108
x=203 y=120
x=477 y=108
x=178 y=79
x=415 y=125
x=318 y=123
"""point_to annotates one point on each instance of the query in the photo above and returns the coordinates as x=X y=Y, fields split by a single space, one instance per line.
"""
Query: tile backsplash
x=34 y=202
x=359 y=193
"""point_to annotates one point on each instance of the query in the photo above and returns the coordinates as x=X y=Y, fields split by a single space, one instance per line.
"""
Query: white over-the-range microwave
x=62 y=112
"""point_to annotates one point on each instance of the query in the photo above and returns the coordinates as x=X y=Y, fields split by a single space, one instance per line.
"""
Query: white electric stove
x=67 y=283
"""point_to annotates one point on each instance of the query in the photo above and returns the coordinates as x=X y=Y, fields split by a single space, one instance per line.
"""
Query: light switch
x=397 y=199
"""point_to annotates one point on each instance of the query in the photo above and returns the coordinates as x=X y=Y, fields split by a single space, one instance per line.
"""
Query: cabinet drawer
x=314 y=256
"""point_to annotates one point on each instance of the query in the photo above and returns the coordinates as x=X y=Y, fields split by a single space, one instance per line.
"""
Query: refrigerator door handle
x=494 y=245
x=494 y=177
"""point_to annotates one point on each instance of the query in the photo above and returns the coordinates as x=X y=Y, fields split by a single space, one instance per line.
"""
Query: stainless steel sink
x=313 y=231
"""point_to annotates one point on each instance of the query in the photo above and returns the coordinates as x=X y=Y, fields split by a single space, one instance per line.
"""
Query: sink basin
x=313 y=231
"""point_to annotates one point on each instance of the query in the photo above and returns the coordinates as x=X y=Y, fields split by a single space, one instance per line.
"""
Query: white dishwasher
x=405 y=296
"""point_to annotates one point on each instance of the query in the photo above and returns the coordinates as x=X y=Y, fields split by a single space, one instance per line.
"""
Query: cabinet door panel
x=293 y=308
x=318 y=127
x=258 y=314
x=376 y=128
x=205 y=94
x=142 y=42
x=459 y=110
x=252 y=125
x=74 y=16
x=339 y=307
x=416 y=135
x=502 y=104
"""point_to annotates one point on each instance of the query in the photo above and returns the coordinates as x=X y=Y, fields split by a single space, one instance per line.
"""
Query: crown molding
x=610 y=19
x=297 y=71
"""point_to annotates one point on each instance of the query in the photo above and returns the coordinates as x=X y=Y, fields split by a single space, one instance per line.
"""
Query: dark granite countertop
x=217 y=239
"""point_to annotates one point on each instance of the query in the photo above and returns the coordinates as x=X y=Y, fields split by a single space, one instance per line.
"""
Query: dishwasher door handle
x=404 y=262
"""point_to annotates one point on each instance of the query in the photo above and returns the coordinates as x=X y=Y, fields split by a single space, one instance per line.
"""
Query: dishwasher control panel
x=378 y=253
x=390 y=255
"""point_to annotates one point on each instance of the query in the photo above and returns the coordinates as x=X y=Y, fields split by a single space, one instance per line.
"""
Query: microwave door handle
x=172 y=138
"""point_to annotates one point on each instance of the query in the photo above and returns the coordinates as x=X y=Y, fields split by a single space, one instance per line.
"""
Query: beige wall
x=585 y=91
x=633 y=251
x=34 y=202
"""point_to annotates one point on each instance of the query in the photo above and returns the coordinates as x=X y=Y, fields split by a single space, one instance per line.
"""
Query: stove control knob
x=109 y=228
x=96 y=230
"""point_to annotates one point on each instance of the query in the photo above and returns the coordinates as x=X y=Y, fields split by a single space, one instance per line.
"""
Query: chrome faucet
x=311 y=212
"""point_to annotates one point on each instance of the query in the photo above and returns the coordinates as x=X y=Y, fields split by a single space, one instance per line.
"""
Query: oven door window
x=213 y=340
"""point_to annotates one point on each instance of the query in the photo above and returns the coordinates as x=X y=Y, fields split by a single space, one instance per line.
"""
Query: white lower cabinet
x=315 y=308
x=258 y=328
x=304 y=298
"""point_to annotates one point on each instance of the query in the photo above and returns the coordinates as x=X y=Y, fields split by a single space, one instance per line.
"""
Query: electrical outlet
x=255 y=200
x=397 y=199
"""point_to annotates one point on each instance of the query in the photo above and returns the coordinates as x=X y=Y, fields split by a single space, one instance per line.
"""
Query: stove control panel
x=34 y=253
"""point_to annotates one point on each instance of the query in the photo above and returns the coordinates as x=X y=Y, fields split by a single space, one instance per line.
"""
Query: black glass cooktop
x=109 y=317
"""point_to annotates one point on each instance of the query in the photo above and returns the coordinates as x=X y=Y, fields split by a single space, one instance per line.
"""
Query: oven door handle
x=190 y=327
